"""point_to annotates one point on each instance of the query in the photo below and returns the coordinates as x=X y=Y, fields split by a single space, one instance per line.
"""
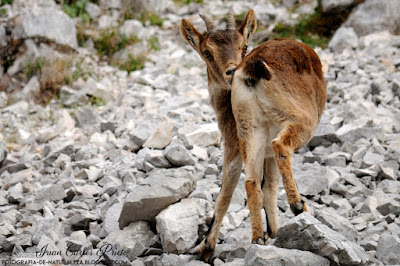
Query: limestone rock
x=306 y=233
x=269 y=255
x=178 y=225
x=161 y=189
x=343 y=38
x=49 y=23
x=375 y=15
x=133 y=240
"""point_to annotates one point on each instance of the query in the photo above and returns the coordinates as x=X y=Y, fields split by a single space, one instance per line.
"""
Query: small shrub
x=132 y=64
x=96 y=101
x=53 y=74
x=154 y=43
x=111 y=41
x=35 y=67
x=76 y=9
x=6 y=2
x=305 y=30
x=75 y=71
x=51 y=79
x=153 y=18
x=186 y=2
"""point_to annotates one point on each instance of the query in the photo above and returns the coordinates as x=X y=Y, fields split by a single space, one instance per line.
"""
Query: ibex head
x=222 y=50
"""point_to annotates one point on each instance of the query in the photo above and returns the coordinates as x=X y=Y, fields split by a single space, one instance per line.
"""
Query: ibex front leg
x=290 y=139
x=230 y=176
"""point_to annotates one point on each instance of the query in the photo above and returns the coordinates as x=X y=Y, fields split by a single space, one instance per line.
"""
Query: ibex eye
x=207 y=54
x=249 y=82
x=244 y=50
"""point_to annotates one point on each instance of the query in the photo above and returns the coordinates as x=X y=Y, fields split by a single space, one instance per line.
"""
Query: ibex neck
x=218 y=90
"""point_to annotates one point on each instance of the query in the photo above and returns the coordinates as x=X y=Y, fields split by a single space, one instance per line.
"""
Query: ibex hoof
x=258 y=241
x=298 y=208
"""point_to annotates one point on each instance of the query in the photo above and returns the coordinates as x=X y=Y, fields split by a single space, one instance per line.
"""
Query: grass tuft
x=111 y=41
x=133 y=63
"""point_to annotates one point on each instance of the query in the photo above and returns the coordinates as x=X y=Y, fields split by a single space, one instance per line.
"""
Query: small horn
x=231 y=21
x=209 y=24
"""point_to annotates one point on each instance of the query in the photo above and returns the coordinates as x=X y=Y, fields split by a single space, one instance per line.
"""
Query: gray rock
x=388 y=170
x=343 y=38
x=49 y=23
x=132 y=27
x=388 y=248
x=105 y=4
x=359 y=129
x=371 y=158
x=93 y=10
x=167 y=260
x=110 y=223
x=375 y=15
x=204 y=135
x=269 y=255
x=178 y=155
x=52 y=193
x=156 y=158
x=390 y=207
x=306 y=233
x=85 y=118
x=311 y=179
x=162 y=137
x=141 y=133
x=161 y=189
x=133 y=240
x=3 y=153
x=325 y=132
x=335 y=6
x=15 y=193
x=337 y=223
x=3 y=41
x=178 y=225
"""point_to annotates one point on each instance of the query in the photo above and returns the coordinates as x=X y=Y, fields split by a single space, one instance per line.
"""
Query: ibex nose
x=230 y=71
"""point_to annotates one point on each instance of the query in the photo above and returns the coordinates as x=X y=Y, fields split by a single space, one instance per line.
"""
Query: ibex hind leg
x=254 y=146
x=270 y=188
x=231 y=173
x=291 y=138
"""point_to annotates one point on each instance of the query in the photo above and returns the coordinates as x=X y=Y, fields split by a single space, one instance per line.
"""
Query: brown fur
x=278 y=96
x=222 y=50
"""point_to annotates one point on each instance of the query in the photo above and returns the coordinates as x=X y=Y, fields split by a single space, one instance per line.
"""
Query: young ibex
x=222 y=50
x=278 y=95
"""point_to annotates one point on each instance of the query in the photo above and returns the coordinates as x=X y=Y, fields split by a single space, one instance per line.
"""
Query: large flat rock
x=49 y=23
x=159 y=190
x=273 y=256
x=304 y=232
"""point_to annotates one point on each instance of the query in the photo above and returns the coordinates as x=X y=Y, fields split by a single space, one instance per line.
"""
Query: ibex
x=277 y=98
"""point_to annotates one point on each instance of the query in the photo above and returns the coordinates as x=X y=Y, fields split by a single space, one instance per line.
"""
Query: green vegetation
x=111 y=41
x=305 y=30
x=132 y=64
x=186 y=2
x=35 y=67
x=154 y=43
x=6 y=2
x=153 y=18
x=53 y=74
x=96 y=101
x=76 y=10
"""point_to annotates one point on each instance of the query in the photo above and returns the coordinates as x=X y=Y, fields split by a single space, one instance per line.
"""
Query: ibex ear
x=191 y=35
x=258 y=69
x=249 y=26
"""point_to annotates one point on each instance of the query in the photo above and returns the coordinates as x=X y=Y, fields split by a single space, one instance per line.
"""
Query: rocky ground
x=134 y=159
